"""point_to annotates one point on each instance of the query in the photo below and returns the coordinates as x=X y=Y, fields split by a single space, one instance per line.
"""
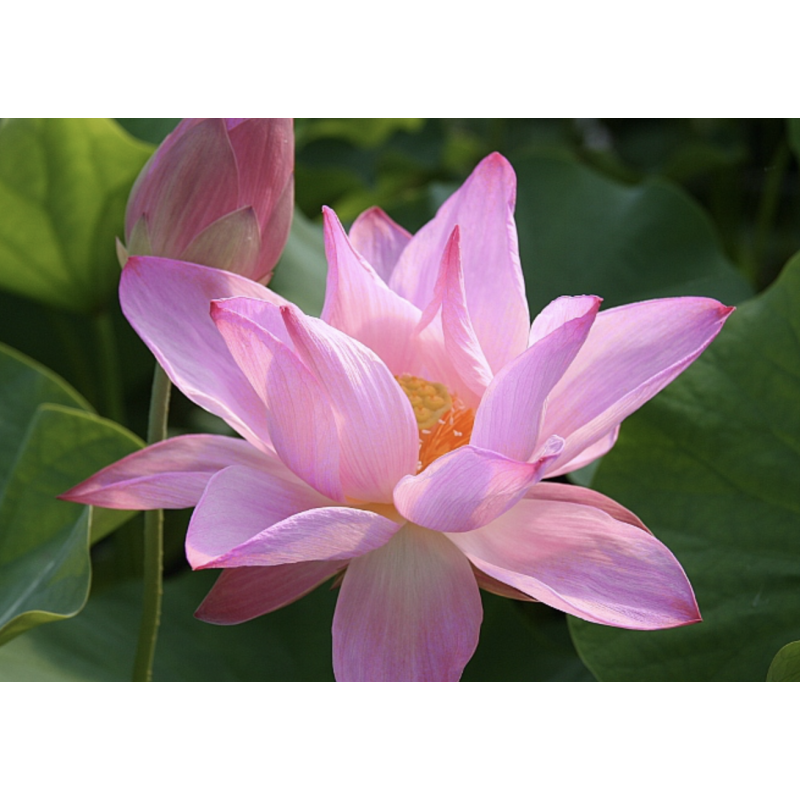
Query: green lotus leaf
x=64 y=184
x=712 y=466
x=51 y=441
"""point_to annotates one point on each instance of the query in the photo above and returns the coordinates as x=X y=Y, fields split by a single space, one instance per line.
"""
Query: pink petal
x=300 y=421
x=360 y=304
x=409 y=611
x=631 y=353
x=264 y=151
x=469 y=487
x=319 y=534
x=378 y=436
x=579 y=559
x=275 y=233
x=490 y=584
x=561 y=311
x=170 y=474
x=238 y=503
x=169 y=303
x=245 y=593
x=379 y=239
x=193 y=183
x=461 y=343
x=567 y=493
x=587 y=456
x=484 y=209
x=509 y=416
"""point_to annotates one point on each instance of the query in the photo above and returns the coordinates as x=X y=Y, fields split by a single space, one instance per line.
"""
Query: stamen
x=429 y=401
x=444 y=422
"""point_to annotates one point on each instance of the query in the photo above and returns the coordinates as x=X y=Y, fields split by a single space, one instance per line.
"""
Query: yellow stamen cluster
x=444 y=422
x=430 y=401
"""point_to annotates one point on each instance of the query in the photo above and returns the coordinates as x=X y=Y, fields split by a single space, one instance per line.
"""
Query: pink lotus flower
x=218 y=192
x=400 y=441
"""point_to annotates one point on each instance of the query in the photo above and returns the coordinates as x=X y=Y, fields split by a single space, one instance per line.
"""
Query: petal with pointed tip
x=299 y=418
x=169 y=474
x=560 y=311
x=192 y=184
x=319 y=534
x=169 y=305
x=509 y=416
x=409 y=611
x=264 y=151
x=238 y=503
x=468 y=488
x=360 y=304
x=245 y=593
x=139 y=240
x=378 y=436
x=379 y=239
x=631 y=353
x=461 y=343
x=566 y=493
x=484 y=209
x=579 y=559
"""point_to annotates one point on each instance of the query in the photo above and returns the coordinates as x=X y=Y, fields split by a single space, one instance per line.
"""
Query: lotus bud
x=217 y=192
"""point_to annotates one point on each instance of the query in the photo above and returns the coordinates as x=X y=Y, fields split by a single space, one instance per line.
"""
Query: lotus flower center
x=444 y=422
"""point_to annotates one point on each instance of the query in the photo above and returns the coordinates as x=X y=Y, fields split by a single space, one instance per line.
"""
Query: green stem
x=153 y=539
x=111 y=376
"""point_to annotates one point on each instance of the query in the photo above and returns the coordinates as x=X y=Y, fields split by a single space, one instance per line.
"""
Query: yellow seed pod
x=429 y=401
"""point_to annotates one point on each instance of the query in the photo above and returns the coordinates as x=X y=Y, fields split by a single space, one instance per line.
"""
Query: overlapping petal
x=466 y=365
x=469 y=487
x=359 y=303
x=579 y=559
x=484 y=210
x=380 y=240
x=245 y=520
x=245 y=593
x=264 y=151
x=193 y=183
x=631 y=353
x=232 y=243
x=299 y=418
x=378 y=435
x=509 y=416
x=170 y=474
x=169 y=305
x=409 y=611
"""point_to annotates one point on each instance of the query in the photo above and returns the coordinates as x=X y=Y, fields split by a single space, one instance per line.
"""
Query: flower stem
x=153 y=539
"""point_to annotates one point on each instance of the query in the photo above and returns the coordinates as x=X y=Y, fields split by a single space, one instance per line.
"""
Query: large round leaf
x=63 y=188
x=582 y=233
x=47 y=448
x=712 y=465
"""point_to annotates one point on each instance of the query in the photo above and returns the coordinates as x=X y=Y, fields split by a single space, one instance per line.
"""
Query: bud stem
x=153 y=539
